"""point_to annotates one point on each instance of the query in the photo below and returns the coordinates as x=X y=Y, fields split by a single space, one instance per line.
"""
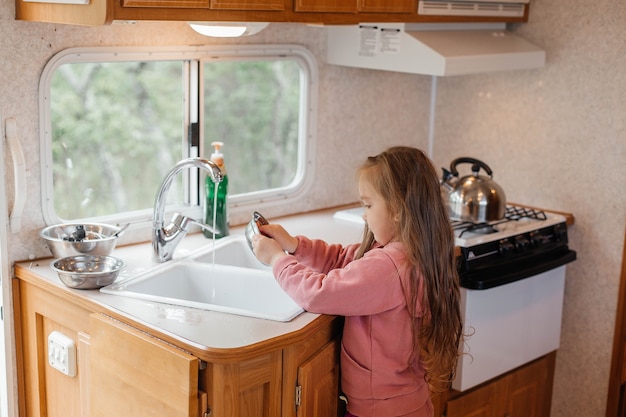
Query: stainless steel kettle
x=472 y=198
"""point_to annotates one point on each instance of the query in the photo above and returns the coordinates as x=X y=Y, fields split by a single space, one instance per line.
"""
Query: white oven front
x=509 y=325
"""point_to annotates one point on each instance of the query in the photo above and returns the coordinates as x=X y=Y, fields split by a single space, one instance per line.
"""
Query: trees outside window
x=116 y=122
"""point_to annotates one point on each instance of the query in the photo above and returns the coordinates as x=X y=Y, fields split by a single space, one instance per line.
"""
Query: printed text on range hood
x=432 y=49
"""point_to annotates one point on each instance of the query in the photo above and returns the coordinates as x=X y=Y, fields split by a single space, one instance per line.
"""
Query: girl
x=398 y=289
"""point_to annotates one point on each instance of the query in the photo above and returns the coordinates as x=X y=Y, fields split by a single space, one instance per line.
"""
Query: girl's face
x=377 y=215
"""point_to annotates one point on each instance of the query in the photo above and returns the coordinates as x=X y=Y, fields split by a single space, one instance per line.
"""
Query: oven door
x=509 y=325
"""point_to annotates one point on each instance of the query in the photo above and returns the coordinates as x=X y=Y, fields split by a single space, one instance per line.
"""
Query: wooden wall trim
x=619 y=347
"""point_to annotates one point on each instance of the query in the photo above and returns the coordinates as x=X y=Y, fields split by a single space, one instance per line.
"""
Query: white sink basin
x=231 y=250
x=244 y=286
x=224 y=288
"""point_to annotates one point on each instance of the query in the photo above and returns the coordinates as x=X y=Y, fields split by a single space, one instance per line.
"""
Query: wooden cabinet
x=317 y=386
x=524 y=392
x=100 y=12
x=234 y=5
x=356 y=6
x=119 y=369
x=130 y=370
x=384 y=6
x=246 y=388
x=42 y=389
x=248 y=4
x=125 y=369
x=326 y=6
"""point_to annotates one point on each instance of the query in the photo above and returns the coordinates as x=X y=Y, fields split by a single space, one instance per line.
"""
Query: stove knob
x=560 y=232
x=505 y=247
x=521 y=243
x=535 y=239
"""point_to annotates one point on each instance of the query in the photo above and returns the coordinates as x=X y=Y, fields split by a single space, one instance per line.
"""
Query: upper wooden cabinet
x=271 y=5
x=356 y=6
x=331 y=12
x=384 y=6
x=248 y=4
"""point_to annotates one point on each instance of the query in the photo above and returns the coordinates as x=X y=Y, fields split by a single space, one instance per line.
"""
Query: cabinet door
x=232 y=5
x=354 y=6
x=248 y=4
x=529 y=392
x=386 y=6
x=525 y=392
x=248 y=388
x=318 y=383
x=196 y=4
x=134 y=374
x=482 y=402
x=326 y=6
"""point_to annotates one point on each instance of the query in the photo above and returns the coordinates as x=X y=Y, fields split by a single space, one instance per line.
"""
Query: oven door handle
x=488 y=279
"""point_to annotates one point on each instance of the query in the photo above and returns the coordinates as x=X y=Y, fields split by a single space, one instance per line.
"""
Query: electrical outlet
x=62 y=353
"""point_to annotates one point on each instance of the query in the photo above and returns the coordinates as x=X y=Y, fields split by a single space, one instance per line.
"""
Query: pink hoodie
x=377 y=341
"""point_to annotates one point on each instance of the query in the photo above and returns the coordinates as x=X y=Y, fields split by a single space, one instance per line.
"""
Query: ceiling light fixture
x=228 y=29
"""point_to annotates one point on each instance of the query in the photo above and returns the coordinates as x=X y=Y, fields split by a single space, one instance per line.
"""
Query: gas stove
x=516 y=220
x=524 y=243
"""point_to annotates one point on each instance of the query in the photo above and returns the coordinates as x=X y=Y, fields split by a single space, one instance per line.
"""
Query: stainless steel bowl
x=87 y=272
x=252 y=228
x=71 y=239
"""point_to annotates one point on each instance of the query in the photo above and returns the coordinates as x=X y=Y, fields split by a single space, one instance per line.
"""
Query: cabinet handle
x=19 y=167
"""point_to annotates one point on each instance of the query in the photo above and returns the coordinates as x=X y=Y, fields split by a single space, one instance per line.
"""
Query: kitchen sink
x=237 y=283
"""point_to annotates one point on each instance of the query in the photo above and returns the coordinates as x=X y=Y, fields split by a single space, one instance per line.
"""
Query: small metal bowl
x=252 y=228
x=87 y=272
x=72 y=239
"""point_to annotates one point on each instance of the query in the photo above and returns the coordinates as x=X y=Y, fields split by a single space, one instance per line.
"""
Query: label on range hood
x=380 y=39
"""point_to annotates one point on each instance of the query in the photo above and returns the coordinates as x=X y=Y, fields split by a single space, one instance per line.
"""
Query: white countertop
x=204 y=329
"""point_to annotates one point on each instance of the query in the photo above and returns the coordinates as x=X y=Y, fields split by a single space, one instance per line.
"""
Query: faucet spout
x=166 y=238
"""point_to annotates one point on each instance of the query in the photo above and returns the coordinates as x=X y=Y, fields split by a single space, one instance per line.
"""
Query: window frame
x=237 y=203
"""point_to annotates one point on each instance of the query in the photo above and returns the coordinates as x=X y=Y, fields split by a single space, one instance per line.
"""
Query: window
x=114 y=122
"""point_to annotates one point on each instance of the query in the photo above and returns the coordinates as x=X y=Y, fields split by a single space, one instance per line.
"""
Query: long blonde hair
x=407 y=180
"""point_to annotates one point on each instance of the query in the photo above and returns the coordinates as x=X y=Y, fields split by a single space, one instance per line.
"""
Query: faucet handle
x=184 y=223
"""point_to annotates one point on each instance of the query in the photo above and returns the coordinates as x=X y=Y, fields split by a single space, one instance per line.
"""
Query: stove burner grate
x=512 y=213
x=516 y=213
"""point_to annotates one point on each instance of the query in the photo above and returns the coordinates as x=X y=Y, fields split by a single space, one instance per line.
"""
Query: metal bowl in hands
x=87 y=272
x=252 y=228
x=73 y=239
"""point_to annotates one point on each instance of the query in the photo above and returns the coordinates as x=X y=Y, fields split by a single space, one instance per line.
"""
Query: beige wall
x=555 y=138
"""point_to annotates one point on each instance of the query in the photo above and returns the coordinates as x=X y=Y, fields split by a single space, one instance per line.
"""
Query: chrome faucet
x=166 y=238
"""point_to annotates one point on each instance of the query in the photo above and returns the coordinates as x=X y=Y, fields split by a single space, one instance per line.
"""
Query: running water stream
x=217 y=185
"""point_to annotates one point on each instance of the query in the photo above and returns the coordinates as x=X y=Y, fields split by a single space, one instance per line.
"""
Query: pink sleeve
x=322 y=256
x=322 y=278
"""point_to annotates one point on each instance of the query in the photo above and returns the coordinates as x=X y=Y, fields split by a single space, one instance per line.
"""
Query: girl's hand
x=266 y=250
x=287 y=242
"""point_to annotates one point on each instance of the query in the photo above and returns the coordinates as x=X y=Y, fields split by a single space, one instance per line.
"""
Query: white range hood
x=432 y=49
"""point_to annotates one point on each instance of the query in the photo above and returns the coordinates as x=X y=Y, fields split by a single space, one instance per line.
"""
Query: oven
x=512 y=275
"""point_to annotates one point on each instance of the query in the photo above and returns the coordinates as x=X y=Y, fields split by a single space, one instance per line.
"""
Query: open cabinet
x=129 y=369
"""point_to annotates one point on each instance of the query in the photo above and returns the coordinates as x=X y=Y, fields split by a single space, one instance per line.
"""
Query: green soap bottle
x=218 y=208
